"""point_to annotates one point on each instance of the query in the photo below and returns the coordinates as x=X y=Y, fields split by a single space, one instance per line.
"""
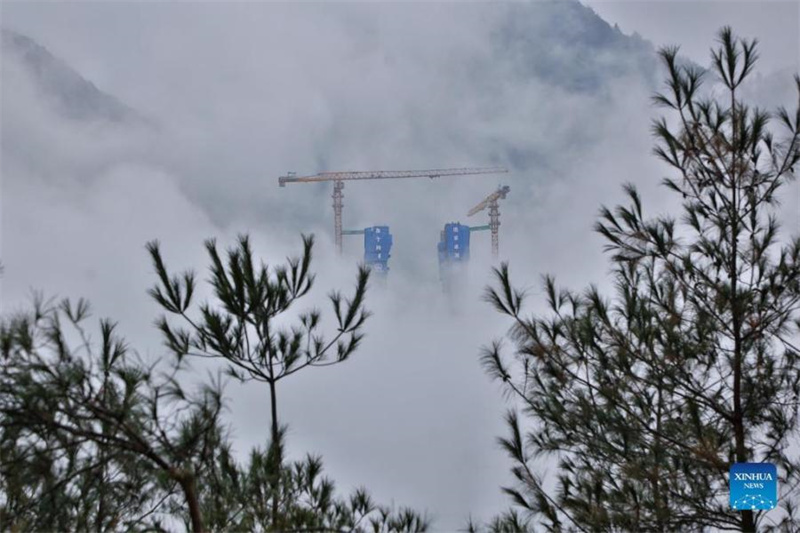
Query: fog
x=224 y=98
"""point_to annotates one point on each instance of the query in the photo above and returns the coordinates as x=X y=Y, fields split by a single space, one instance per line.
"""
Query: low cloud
x=245 y=92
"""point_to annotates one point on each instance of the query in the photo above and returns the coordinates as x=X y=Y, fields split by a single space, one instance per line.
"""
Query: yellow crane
x=338 y=179
x=492 y=202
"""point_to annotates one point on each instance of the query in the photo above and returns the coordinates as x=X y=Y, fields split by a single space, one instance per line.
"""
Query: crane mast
x=493 y=203
x=338 y=179
x=338 y=195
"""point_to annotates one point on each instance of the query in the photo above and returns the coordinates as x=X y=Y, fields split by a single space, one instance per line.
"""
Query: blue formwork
x=453 y=250
x=377 y=247
x=454 y=244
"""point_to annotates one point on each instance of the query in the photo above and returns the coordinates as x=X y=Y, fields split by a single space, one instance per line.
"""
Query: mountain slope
x=567 y=44
x=71 y=94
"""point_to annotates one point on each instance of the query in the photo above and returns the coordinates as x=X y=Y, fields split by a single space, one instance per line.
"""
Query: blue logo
x=754 y=486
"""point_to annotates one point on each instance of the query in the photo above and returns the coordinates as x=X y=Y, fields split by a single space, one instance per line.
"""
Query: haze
x=200 y=107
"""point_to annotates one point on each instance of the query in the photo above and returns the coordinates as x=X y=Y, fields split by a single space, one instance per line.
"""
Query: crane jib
x=390 y=174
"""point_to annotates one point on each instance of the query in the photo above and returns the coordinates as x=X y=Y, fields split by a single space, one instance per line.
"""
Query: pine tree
x=90 y=436
x=239 y=326
x=646 y=398
x=93 y=438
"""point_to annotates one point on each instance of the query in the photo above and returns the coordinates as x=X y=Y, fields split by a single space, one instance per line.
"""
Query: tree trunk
x=277 y=459
x=748 y=523
x=274 y=409
x=188 y=485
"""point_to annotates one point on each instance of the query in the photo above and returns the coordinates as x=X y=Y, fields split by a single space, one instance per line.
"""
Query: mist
x=227 y=97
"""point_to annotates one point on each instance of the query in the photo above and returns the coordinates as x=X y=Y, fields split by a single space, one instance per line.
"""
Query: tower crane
x=338 y=179
x=492 y=202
